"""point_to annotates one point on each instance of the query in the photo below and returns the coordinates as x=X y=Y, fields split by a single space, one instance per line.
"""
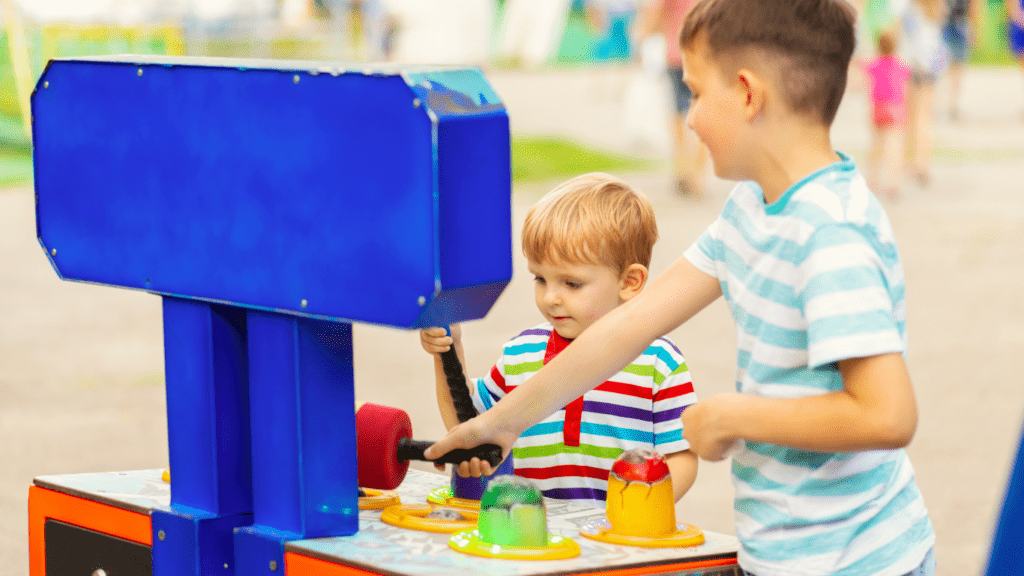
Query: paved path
x=81 y=366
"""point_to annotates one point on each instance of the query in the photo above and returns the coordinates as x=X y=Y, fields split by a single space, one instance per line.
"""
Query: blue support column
x=302 y=414
x=1005 y=556
x=206 y=363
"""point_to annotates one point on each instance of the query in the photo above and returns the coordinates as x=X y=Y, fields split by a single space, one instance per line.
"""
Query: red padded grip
x=378 y=430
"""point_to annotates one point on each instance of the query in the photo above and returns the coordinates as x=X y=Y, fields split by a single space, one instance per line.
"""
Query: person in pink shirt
x=889 y=78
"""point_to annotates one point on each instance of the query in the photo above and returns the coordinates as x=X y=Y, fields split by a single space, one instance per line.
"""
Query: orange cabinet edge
x=300 y=565
x=43 y=504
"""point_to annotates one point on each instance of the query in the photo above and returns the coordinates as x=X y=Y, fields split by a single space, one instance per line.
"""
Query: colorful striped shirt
x=812 y=279
x=569 y=454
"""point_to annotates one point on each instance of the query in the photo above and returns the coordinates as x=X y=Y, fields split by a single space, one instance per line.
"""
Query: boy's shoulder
x=531 y=337
x=662 y=351
x=835 y=195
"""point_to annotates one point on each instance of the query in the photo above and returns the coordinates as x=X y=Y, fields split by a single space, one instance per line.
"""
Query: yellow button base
x=414 y=517
x=685 y=535
x=378 y=499
x=558 y=548
x=443 y=496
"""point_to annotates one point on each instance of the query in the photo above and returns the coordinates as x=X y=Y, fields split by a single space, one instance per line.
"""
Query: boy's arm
x=875 y=410
x=601 y=351
x=683 y=466
x=435 y=341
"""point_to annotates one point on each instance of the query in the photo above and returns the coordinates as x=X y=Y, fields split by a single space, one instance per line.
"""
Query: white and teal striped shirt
x=812 y=279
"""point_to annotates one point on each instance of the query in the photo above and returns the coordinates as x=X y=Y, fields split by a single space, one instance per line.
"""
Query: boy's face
x=574 y=296
x=716 y=112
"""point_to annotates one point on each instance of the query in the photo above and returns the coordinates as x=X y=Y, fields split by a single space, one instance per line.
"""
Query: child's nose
x=551 y=296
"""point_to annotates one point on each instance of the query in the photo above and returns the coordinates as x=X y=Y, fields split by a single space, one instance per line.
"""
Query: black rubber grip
x=457 y=386
x=409 y=449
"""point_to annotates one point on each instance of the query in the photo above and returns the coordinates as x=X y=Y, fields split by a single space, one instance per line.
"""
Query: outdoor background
x=81 y=366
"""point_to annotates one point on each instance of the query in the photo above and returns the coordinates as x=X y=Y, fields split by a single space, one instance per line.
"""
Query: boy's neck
x=793 y=151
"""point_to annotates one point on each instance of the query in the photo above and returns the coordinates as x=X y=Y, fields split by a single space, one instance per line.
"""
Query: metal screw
x=140 y=71
x=273 y=565
x=416 y=103
x=53 y=252
x=161 y=535
x=295 y=79
x=99 y=572
x=225 y=565
x=303 y=302
x=421 y=300
x=46 y=84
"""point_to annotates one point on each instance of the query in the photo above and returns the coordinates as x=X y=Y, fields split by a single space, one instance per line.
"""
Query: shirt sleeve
x=852 y=300
x=702 y=252
x=671 y=395
x=490 y=388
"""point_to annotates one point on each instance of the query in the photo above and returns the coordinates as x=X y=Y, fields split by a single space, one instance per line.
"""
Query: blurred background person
x=922 y=47
x=1015 y=32
x=665 y=18
x=531 y=30
x=888 y=77
x=958 y=33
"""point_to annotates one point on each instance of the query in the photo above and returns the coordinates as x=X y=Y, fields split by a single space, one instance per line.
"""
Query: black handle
x=457 y=386
x=409 y=449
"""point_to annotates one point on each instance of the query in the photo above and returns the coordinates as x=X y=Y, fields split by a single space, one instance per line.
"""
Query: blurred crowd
x=904 y=47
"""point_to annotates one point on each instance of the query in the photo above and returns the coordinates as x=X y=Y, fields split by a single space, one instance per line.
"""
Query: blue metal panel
x=206 y=367
x=303 y=425
x=259 y=551
x=190 y=542
x=1005 y=557
x=272 y=186
x=475 y=170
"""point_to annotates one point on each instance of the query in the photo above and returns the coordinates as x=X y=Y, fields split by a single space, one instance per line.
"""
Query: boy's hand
x=436 y=340
x=705 y=426
x=471 y=434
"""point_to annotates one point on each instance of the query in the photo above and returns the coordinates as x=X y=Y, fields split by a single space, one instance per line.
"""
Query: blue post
x=206 y=364
x=303 y=435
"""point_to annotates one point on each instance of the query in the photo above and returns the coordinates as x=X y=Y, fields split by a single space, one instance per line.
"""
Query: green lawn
x=540 y=159
x=15 y=167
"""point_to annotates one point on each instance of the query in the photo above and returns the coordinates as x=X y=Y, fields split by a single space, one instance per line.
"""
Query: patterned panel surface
x=137 y=490
x=386 y=549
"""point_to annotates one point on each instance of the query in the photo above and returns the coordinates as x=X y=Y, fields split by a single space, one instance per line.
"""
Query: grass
x=540 y=159
x=15 y=167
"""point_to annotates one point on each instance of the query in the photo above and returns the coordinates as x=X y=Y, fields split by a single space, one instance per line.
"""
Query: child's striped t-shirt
x=569 y=454
x=812 y=279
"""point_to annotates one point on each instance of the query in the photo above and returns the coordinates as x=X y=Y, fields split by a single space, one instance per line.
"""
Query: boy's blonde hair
x=592 y=219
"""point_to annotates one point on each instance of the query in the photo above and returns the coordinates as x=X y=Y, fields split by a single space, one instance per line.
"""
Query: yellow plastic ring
x=685 y=535
x=378 y=499
x=414 y=517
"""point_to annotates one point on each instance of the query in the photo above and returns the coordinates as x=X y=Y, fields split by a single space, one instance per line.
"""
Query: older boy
x=588 y=244
x=805 y=257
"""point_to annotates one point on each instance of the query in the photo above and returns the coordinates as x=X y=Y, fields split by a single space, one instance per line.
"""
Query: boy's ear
x=632 y=281
x=753 y=92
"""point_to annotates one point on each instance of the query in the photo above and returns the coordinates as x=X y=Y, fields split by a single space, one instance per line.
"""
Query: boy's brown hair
x=886 y=43
x=592 y=219
x=810 y=43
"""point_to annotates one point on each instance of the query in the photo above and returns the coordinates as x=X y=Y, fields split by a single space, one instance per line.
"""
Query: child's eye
x=538 y=279
x=573 y=285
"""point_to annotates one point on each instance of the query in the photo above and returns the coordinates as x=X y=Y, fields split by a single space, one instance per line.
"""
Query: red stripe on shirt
x=674 y=392
x=566 y=470
x=626 y=389
x=499 y=379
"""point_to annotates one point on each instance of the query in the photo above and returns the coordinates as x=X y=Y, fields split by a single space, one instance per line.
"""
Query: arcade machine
x=270 y=205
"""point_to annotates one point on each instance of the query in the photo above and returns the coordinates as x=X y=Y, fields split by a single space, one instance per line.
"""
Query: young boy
x=805 y=257
x=588 y=244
